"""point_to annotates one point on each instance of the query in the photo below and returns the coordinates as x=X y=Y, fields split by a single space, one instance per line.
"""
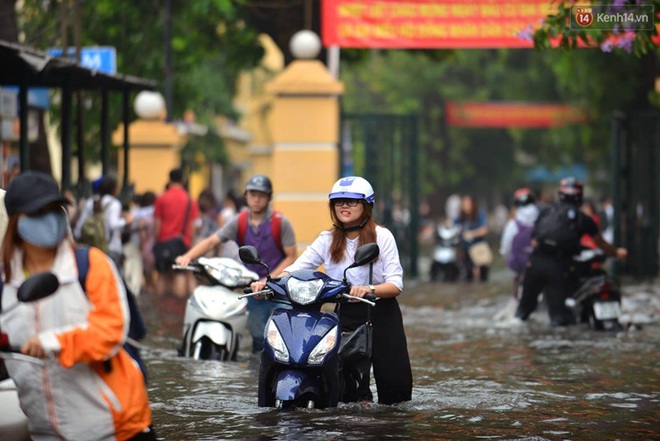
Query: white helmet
x=353 y=187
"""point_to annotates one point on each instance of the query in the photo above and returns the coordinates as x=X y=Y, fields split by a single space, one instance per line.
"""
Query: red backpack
x=275 y=228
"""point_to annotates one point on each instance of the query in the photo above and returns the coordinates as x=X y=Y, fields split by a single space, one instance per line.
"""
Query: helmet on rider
x=570 y=191
x=353 y=187
x=259 y=183
x=522 y=197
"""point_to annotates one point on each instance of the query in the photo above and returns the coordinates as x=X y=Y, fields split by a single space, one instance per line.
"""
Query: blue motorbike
x=300 y=365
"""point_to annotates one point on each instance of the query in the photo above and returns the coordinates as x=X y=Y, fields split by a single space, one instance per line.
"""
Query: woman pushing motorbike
x=88 y=387
x=351 y=202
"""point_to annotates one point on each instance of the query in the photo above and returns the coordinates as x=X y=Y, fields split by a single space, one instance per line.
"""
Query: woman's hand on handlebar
x=360 y=290
x=258 y=286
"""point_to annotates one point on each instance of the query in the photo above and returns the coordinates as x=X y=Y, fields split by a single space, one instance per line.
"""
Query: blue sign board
x=37 y=96
x=99 y=58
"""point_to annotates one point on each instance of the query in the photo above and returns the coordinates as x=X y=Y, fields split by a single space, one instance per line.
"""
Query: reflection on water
x=472 y=380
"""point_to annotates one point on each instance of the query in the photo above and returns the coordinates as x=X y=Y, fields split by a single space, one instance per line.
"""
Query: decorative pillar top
x=306 y=75
x=305 y=45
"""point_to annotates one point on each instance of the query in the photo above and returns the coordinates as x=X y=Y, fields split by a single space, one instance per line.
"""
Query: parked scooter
x=13 y=422
x=300 y=362
x=597 y=301
x=215 y=316
x=445 y=253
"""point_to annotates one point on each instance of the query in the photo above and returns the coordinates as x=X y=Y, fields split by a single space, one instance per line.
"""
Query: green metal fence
x=636 y=191
x=384 y=149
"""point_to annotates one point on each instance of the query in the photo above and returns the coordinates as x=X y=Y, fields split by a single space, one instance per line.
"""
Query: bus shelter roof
x=21 y=64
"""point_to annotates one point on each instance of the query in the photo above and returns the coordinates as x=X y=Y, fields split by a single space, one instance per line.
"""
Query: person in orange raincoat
x=87 y=386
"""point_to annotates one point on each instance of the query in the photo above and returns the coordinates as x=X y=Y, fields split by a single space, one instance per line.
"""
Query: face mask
x=46 y=230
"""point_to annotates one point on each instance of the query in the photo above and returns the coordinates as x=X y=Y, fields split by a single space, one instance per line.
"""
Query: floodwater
x=474 y=378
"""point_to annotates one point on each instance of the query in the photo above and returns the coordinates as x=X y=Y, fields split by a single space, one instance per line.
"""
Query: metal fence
x=636 y=191
x=383 y=148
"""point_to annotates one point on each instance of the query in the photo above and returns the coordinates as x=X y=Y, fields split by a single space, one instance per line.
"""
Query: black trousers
x=552 y=275
x=391 y=363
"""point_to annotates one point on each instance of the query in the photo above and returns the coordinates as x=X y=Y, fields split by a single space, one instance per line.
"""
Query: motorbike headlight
x=303 y=291
x=275 y=340
x=326 y=345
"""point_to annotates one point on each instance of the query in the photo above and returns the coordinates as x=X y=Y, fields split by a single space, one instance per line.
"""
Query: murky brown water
x=473 y=380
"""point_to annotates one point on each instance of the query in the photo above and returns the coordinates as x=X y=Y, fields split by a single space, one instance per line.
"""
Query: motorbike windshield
x=228 y=272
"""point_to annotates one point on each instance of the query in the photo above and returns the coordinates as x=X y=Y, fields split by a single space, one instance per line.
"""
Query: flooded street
x=473 y=379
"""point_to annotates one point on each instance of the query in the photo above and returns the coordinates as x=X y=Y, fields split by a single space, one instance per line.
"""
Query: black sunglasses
x=348 y=202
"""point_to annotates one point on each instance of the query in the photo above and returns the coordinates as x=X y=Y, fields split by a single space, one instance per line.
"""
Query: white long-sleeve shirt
x=386 y=269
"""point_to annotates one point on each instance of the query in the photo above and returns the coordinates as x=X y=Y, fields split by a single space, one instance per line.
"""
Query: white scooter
x=215 y=317
x=445 y=254
x=13 y=422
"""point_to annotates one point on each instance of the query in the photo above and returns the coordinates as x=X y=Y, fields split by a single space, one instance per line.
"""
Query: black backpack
x=556 y=229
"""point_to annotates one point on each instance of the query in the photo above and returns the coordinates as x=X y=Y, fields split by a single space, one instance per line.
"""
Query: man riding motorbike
x=557 y=234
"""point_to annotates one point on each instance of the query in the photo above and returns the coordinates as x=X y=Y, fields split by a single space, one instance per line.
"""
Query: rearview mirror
x=37 y=287
x=365 y=254
x=249 y=254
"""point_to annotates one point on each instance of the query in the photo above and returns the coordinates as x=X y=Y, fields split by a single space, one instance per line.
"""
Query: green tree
x=487 y=161
x=210 y=45
x=620 y=37
x=212 y=41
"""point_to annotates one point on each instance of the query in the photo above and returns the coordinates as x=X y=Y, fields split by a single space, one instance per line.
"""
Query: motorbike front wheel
x=205 y=349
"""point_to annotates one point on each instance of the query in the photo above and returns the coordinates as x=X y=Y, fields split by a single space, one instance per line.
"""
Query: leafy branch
x=556 y=30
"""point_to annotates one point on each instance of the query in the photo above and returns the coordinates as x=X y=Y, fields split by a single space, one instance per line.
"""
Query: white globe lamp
x=149 y=105
x=305 y=45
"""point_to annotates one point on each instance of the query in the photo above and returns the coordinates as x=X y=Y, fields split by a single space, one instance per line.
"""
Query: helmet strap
x=354 y=227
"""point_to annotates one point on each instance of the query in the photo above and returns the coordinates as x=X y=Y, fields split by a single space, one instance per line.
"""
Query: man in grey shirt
x=256 y=226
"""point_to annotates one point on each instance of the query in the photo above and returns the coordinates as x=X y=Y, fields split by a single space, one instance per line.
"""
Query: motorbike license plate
x=607 y=310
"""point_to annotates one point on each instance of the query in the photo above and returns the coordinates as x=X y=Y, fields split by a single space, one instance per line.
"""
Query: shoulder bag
x=481 y=254
x=356 y=345
x=166 y=251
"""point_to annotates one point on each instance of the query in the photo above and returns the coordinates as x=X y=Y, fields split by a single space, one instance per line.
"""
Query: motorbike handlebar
x=187 y=267
x=361 y=299
x=14 y=353
x=248 y=293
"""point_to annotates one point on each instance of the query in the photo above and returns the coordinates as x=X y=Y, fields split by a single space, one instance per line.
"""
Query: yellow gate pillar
x=304 y=124
x=155 y=145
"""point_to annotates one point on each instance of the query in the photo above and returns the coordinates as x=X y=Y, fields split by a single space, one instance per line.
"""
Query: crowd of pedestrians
x=140 y=242
x=132 y=228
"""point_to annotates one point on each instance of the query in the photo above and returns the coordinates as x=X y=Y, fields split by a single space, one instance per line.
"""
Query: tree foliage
x=492 y=162
x=211 y=43
x=621 y=37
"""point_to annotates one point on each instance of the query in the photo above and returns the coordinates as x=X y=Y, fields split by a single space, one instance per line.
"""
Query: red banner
x=431 y=24
x=472 y=114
